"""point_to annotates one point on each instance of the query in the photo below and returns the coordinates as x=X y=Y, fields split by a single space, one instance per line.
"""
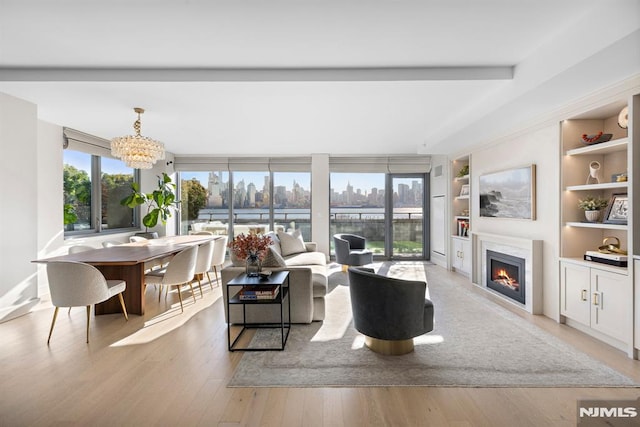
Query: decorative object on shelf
x=617 y=210
x=464 y=190
x=619 y=177
x=509 y=194
x=593 y=178
x=137 y=151
x=596 y=138
x=463 y=172
x=623 y=118
x=592 y=206
x=464 y=212
x=160 y=203
x=252 y=248
x=463 y=228
x=611 y=248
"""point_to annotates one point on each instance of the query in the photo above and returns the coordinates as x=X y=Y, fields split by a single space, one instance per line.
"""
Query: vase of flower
x=253 y=265
x=592 y=216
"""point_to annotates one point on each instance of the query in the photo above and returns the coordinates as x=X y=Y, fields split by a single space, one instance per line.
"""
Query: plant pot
x=592 y=216
x=148 y=234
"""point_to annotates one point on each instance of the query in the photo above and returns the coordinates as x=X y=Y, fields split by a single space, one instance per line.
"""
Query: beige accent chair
x=74 y=284
x=180 y=271
x=203 y=263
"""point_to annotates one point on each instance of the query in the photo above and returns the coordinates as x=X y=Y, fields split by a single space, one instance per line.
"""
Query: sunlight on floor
x=169 y=320
x=335 y=325
x=358 y=342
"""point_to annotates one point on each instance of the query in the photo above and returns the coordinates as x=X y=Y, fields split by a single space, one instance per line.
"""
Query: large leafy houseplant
x=160 y=203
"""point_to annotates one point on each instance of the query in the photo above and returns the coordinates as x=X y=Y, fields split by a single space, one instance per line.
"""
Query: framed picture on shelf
x=617 y=210
x=509 y=193
x=464 y=190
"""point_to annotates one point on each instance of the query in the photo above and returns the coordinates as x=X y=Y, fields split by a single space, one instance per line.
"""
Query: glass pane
x=407 y=217
x=251 y=200
x=357 y=207
x=292 y=202
x=116 y=179
x=205 y=202
x=77 y=190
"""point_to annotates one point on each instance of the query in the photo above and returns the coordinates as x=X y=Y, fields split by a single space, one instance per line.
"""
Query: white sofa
x=308 y=288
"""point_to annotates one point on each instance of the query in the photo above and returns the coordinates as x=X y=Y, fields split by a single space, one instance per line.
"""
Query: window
x=93 y=187
x=205 y=202
x=292 y=202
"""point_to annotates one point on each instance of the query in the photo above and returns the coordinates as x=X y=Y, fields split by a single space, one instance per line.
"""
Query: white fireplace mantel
x=529 y=250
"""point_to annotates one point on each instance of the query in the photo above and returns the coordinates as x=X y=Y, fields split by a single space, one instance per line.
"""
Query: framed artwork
x=617 y=210
x=464 y=190
x=509 y=193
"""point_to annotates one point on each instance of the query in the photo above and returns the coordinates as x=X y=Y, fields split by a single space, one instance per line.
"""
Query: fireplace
x=506 y=275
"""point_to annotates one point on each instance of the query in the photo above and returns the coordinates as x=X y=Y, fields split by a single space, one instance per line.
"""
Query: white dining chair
x=180 y=271
x=203 y=263
x=80 y=248
x=203 y=233
x=76 y=284
x=219 y=254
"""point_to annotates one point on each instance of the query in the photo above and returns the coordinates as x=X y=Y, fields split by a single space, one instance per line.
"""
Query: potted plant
x=592 y=206
x=160 y=203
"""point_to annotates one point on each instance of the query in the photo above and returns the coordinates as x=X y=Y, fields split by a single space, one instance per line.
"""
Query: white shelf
x=461 y=217
x=602 y=148
x=462 y=197
x=598 y=265
x=464 y=178
x=596 y=225
x=455 y=236
x=605 y=186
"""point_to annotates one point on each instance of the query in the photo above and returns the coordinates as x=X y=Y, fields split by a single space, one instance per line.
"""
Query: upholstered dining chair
x=389 y=312
x=80 y=248
x=180 y=271
x=351 y=250
x=219 y=254
x=203 y=263
x=76 y=284
x=203 y=233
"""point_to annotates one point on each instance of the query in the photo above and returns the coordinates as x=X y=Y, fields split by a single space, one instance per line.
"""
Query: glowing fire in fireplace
x=502 y=277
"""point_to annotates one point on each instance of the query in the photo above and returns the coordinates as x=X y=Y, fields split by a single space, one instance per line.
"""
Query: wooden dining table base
x=133 y=294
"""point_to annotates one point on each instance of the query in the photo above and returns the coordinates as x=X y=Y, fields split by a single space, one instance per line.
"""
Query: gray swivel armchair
x=350 y=250
x=389 y=312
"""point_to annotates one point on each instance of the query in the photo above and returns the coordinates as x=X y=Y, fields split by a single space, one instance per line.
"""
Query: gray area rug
x=475 y=343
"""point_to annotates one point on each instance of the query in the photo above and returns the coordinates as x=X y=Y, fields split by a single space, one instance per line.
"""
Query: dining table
x=128 y=262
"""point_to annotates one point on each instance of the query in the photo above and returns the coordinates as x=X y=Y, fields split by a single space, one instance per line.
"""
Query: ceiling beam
x=64 y=74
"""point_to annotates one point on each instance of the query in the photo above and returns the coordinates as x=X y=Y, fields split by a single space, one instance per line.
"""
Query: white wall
x=18 y=214
x=320 y=190
x=542 y=148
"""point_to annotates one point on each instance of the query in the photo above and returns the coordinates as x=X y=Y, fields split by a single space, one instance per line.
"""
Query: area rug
x=475 y=343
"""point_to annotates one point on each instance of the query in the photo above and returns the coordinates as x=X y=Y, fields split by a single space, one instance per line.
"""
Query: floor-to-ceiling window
x=406 y=221
x=292 y=202
x=205 y=202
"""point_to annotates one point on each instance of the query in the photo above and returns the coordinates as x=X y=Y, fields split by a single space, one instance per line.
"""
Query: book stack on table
x=258 y=292
x=611 y=259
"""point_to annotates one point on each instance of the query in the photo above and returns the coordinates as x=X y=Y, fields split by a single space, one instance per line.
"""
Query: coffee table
x=235 y=285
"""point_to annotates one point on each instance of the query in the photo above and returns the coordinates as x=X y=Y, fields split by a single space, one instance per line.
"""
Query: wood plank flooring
x=168 y=368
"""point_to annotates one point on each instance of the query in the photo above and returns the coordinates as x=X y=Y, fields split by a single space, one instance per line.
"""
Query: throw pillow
x=291 y=243
x=273 y=259
x=275 y=242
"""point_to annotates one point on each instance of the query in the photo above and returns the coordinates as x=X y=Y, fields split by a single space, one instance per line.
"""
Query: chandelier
x=137 y=151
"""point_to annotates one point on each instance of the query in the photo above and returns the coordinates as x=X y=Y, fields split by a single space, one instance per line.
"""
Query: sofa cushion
x=273 y=259
x=275 y=242
x=306 y=258
x=291 y=243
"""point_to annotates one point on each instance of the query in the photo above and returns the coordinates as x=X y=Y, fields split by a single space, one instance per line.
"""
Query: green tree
x=195 y=196
x=77 y=194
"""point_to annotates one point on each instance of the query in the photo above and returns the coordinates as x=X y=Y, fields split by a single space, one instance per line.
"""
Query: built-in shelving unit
x=596 y=298
x=461 y=257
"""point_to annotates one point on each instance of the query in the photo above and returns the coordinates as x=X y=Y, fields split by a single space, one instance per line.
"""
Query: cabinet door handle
x=583 y=295
x=596 y=299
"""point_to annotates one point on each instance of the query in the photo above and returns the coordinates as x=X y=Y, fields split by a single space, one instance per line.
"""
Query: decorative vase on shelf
x=253 y=265
x=592 y=216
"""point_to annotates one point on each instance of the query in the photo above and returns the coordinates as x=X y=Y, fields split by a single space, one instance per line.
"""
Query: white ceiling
x=246 y=76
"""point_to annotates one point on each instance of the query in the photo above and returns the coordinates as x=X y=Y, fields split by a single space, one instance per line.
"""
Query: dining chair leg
x=88 y=318
x=180 y=298
x=200 y=286
x=209 y=278
x=124 y=308
x=192 y=292
x=53 y=322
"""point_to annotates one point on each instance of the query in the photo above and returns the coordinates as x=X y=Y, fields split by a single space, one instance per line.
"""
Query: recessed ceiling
x=211 y=116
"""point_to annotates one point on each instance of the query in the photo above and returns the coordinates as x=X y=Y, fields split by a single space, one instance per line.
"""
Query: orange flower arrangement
x=253 y=244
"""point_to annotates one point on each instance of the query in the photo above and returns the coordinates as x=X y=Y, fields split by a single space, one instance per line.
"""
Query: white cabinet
x=461 y=261
x=596 y=298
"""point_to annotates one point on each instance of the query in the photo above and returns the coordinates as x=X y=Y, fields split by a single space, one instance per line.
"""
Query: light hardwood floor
x=168 y=368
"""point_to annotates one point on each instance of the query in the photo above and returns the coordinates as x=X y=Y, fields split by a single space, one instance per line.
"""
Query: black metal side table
x=237 y=284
